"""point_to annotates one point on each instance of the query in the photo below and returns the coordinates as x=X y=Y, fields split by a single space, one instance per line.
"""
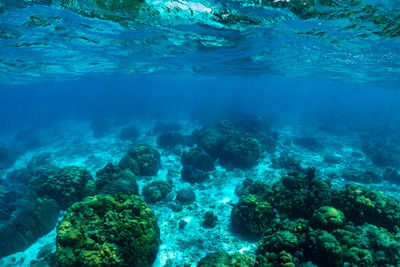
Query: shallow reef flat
x=234 y=192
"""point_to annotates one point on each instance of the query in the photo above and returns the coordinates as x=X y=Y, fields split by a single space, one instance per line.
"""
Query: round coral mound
x=114 y=180
x=241 y=152
x=107 y=230
x=327 y=218
x=252 y=214
x=67 y=185
x=142 y=160
x=198 y=158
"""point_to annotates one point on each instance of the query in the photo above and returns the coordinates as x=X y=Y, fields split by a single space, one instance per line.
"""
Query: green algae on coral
x=107 y=230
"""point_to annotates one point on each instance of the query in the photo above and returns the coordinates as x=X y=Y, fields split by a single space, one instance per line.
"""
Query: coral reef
x=286 y=162
x=67 y=185
x=327 y=218
x=193 y=175
x=233 y=145
x=114 y=180
x=252 y=214
x=354 y=226
x=24 y=217
x=185 y=196
x=210 y=219
x=156 y=191
x=361 y=205
x=106 y=230
x=297 y=195
x=242 y=152
x=198 y=158
x=141 y=160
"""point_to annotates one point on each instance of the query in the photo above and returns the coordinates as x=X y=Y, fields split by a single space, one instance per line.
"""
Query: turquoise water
x=174 y=133
x=61 y=40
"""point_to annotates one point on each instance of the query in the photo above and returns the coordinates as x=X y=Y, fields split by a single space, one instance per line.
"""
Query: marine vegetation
x=106 y=230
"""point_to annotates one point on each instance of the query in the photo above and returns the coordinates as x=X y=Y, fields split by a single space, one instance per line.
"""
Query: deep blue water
x=198 y=98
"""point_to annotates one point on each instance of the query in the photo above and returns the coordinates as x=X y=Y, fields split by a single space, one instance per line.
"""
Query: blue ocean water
x=237 y=123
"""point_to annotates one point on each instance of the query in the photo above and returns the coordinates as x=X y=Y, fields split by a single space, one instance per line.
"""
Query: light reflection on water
x=41 y=42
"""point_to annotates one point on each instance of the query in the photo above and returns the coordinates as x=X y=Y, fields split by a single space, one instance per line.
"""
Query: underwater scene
x=235 y=133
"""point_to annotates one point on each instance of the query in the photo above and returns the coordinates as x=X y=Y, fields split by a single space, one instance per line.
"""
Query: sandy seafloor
x=72 y=143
